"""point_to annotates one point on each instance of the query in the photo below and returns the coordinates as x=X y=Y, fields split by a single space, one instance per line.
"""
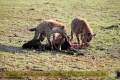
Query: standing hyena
x=80 y=26
x=50 y=27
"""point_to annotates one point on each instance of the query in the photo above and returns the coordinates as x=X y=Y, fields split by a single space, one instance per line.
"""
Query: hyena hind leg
x=36 y=35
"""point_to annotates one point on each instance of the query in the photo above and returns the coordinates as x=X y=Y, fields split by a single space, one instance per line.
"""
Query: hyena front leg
x=48 y=35
x=50 y=43
x=78 y=40
x=40 y=39
x=82 y=38
x=60 y=43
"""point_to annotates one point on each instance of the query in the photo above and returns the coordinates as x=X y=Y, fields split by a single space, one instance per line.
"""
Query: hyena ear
x=62 y=27
x=94 y=35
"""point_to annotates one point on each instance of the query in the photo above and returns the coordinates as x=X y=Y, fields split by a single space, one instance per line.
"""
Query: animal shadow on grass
x=11 y=49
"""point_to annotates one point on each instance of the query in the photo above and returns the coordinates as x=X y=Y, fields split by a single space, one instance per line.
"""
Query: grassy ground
x=16 y=16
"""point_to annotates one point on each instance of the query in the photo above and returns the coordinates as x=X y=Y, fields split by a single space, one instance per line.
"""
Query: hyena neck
x=55 y=29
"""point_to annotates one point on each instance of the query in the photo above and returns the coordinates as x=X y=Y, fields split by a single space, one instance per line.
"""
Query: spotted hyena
x=81 y=26
x=50 y=27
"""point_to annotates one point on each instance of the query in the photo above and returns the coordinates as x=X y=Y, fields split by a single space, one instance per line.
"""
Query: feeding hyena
x=50 y=27
x=81 y=27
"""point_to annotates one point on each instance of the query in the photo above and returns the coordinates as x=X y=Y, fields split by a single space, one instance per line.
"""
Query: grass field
x=17 y=16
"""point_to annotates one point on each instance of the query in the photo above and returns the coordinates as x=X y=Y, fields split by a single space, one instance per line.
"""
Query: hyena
x=81 y=26
x=50 y=27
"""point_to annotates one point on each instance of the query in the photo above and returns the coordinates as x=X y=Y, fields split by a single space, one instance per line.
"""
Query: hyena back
x=50 y=27
x=80 y=26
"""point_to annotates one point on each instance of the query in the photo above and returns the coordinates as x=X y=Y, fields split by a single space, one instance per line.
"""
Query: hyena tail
x=32 y=29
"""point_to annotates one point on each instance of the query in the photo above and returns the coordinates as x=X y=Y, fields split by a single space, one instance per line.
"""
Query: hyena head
x=88 y=37
x=60 y=30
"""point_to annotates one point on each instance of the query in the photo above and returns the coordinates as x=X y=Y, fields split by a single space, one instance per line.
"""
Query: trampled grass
x=16 y=16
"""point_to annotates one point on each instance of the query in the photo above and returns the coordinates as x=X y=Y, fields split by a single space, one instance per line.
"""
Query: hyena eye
x=89 y=34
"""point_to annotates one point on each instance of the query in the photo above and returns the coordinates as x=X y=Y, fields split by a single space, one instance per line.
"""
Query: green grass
x=16 y=16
